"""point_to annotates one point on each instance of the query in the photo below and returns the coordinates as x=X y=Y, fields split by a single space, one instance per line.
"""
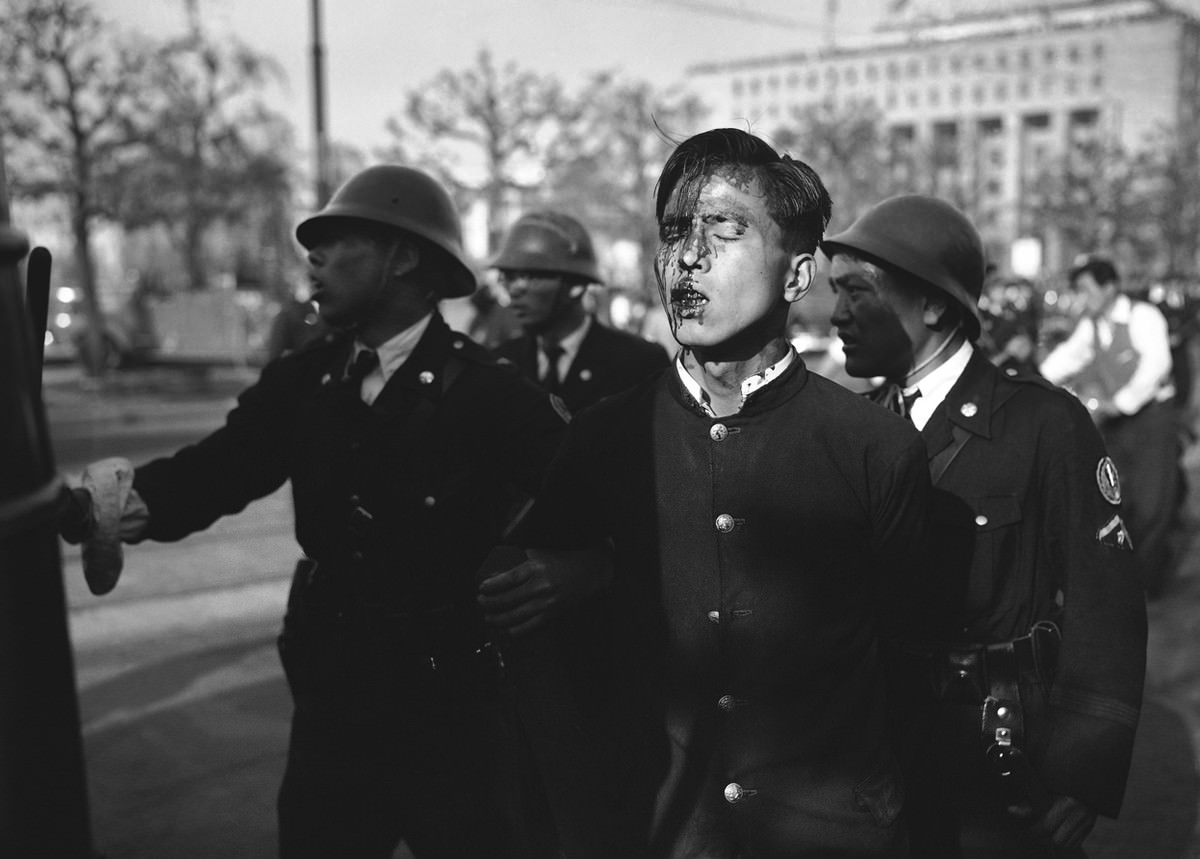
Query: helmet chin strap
x=950 y=338
x=357 y=325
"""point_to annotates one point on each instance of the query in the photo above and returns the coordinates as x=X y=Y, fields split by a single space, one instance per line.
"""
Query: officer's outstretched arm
x=100 y=513
x=541 y=587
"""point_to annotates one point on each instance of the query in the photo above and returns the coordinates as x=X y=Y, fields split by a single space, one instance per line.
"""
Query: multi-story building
x=982 y=96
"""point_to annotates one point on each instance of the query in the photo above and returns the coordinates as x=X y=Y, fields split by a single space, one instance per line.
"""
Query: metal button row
x=714 y=616
x=726 y=523
x=735 y=793
x=727 y=703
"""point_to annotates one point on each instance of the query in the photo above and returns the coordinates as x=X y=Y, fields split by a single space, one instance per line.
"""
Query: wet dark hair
x=796 y=197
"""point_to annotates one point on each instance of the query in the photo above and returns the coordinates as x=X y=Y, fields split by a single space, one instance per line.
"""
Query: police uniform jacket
x=397 y=501
x=755 y=554
x=608 y=361
x=1027 y=515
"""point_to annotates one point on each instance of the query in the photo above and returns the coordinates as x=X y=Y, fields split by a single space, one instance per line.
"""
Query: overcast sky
x=375 y=50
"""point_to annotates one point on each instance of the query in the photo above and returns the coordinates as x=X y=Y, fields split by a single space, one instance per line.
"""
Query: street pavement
x=185 y=711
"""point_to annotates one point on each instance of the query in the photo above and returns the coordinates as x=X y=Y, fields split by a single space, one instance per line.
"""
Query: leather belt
x=968 y=674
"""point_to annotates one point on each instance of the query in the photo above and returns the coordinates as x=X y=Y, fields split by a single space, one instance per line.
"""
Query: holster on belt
x=1003 y=730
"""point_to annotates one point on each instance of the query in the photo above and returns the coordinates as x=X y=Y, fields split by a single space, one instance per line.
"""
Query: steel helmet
x=550 y=242
x=927 y=238
x=409 y=200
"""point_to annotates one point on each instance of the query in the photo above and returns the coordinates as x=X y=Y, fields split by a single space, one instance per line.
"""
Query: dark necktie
x=899 y=402
x=361 y=367
x=550 y=381
x=906 y=402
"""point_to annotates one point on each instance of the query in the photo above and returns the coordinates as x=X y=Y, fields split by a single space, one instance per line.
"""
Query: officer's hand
x=106 y=511
x=541 y=587
x=1065 y=824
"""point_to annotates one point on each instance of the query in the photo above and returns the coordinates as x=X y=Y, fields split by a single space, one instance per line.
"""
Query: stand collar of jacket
x=972 y=400
x=424 y=368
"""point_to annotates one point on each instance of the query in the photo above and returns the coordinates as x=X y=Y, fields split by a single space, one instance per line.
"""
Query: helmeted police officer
x=406 y=445
x=1039 y=669
x=547 y=264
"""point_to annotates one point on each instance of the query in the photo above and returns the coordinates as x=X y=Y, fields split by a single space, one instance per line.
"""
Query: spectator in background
x=1011 y=319
x=1117 y=360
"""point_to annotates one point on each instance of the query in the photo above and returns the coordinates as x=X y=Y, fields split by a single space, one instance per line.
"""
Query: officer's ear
x=406 y=257
x=801 y=272
x=939 y=312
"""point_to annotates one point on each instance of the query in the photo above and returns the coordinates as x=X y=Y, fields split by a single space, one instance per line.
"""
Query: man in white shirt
x=1118 y=362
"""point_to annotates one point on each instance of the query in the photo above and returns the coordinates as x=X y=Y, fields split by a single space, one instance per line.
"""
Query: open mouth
x=686 y=300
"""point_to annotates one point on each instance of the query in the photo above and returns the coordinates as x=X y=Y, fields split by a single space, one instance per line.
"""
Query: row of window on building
x=954 y=95
x=934 y=65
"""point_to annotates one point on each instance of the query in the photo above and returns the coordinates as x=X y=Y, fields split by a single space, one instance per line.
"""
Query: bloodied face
x=725 y=276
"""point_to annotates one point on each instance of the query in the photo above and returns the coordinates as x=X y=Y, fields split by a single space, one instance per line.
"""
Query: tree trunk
x=94 y=344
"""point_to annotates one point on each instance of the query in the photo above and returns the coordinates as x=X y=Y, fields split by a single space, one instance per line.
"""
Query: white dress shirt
x=392 y=354
x=937 y=385
x=749 y=385
x=570 y=348
x=1150 y=338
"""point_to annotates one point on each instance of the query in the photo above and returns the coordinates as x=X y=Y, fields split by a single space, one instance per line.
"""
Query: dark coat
x=760 y=557
x=398 y=503
x=608 y=361
x=1027 y=534
x=438 y=486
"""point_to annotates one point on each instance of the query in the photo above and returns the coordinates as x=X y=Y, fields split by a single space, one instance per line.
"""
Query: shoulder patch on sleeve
x=1108 y=480
x=1114 y=533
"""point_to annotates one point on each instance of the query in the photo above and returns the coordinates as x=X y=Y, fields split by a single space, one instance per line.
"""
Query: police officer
x=765 y=524
x=546 y=264
x=1038 y=670
x=1118 y=361
x=406 y=445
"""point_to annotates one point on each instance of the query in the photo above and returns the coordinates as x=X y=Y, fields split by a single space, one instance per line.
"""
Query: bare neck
x=722 y=379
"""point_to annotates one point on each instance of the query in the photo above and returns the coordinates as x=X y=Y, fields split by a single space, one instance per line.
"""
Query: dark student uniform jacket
x=759 y=558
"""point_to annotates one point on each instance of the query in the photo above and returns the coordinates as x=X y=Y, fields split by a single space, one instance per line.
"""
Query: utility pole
x=321 y=140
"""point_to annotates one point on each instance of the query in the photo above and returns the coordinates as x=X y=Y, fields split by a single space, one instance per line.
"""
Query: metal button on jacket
x=718 y=432
x=425 y=377
x=714 y=617
x=724 y=523
x=735 y=793
x=727 y=702
x=981 y=520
